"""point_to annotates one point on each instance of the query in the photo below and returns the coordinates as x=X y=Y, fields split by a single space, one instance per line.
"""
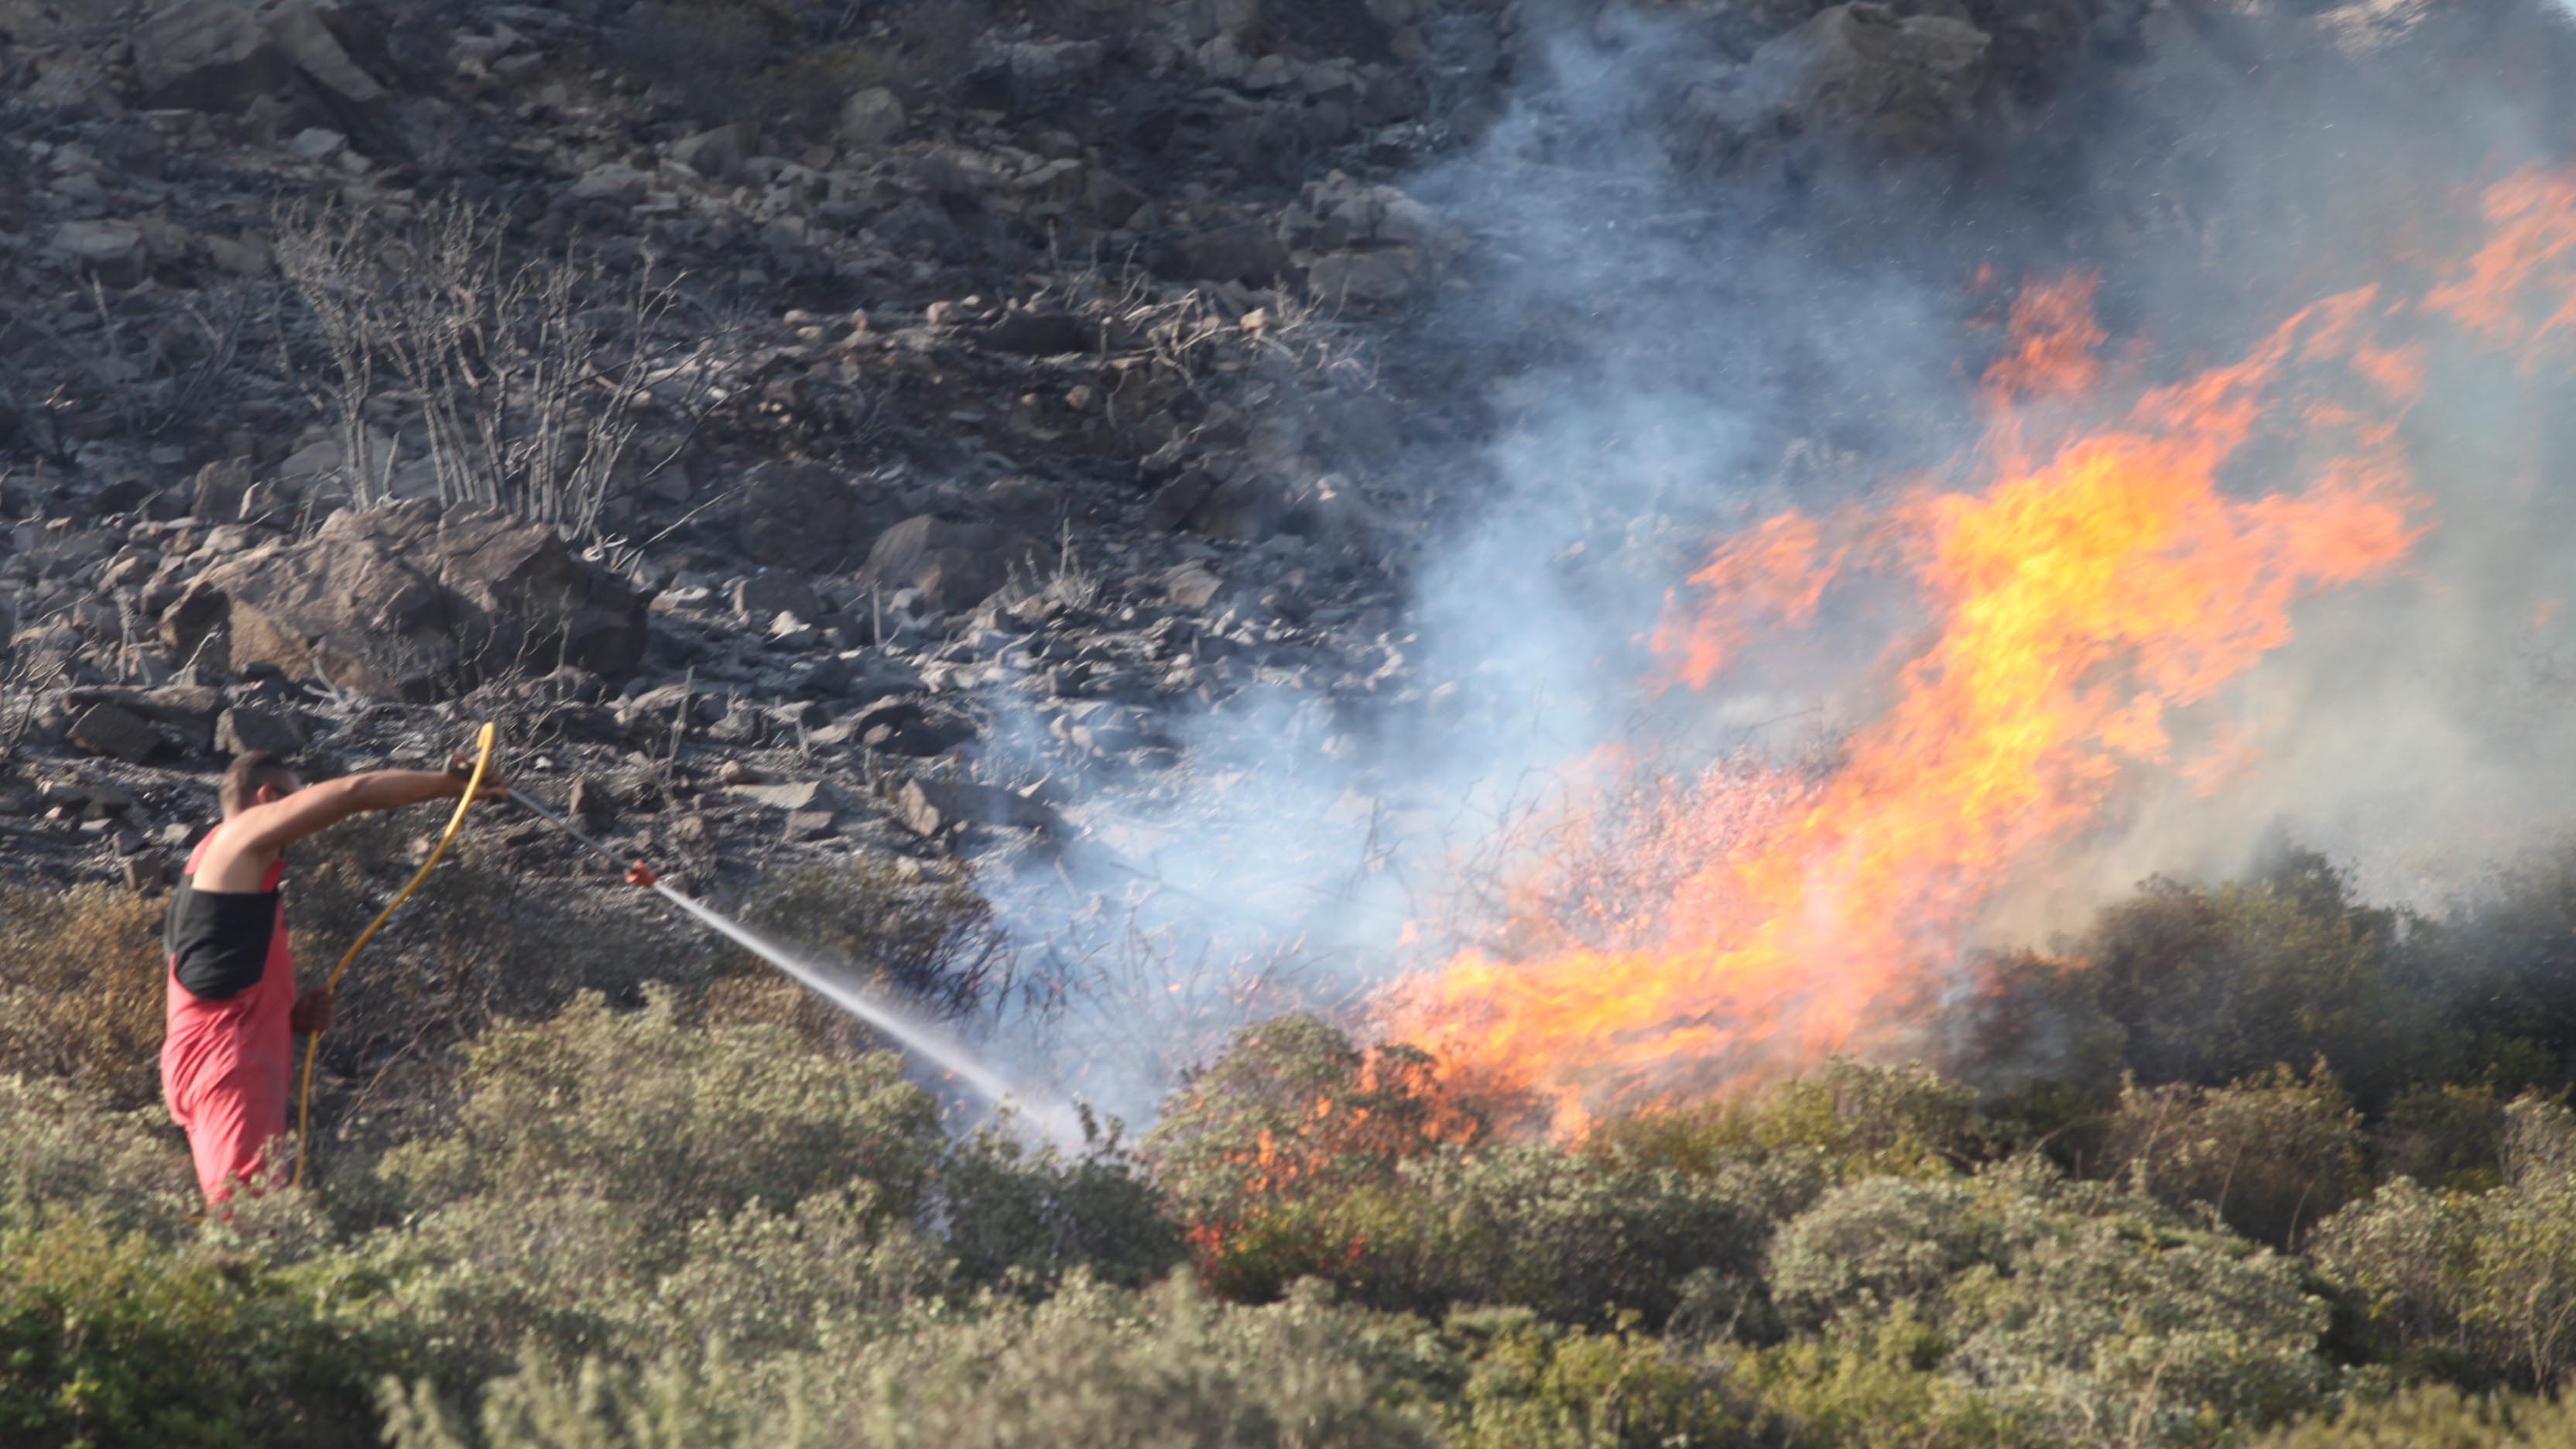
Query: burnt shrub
x=2509 y=977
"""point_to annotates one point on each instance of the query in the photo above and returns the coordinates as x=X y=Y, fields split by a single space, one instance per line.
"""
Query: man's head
x=257 y=777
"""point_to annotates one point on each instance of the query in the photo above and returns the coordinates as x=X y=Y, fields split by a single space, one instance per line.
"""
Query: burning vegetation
x=2052 y=621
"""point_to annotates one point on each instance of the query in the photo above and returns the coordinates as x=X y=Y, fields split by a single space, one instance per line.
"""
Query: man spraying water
x=233 y=1008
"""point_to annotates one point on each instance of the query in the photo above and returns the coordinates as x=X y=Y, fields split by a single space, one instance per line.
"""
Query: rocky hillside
x=905 y=426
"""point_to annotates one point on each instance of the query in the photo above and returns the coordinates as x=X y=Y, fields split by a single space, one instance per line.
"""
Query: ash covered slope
x=1173 y=454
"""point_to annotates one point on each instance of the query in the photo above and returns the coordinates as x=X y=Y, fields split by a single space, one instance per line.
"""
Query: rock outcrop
x=411 y=602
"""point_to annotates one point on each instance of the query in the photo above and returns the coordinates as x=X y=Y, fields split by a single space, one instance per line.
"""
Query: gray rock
x=1248 y=252
x=245 y=728
x=790 y=795
x=718 y=154
x=1041 y=333
x=903 y=727
x=112 y=251
x=612 y=183
x=1861 y=73
x=591 y=804
x=208 y=54
x=954 y=565
x=219 y=491
x=806 y=516
x=803 y=825
x=872 y=118
x=115 y=731
x=761 y=597
x=221 y=54
x=936 y=808
x=412 y=602
x=1191 y=585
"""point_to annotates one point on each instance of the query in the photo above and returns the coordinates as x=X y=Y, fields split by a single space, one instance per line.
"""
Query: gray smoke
x=1653 y=348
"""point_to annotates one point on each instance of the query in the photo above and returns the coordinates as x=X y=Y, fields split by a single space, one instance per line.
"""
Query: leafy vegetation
x=700 y=1220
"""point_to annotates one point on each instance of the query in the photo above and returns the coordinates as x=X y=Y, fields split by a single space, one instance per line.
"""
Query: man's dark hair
x=248 y=771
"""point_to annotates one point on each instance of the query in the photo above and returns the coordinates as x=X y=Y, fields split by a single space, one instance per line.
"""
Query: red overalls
x=227 y=1064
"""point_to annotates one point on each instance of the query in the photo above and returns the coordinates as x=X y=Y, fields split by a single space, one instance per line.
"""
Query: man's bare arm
x=250 y=842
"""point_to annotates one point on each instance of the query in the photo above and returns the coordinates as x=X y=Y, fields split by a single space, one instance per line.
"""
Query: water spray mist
x=1056 y=1119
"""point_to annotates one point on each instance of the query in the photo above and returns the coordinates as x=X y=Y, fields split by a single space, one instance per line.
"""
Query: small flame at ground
x=2077 y=602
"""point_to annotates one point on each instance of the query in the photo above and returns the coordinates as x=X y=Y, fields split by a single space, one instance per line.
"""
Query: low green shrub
x=1092 y=1365
x=2433 y=1416
x=1535 y=1385
x=2070 y=1305
x=113 y=1338
x=1571 y=1237
x=1027 y=1218
x=1846 y=1118
x=2271 y=1155
x=2480 y=1285
x=63 y=1152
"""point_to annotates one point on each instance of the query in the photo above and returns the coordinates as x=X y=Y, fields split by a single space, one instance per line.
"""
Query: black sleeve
x=218 y=940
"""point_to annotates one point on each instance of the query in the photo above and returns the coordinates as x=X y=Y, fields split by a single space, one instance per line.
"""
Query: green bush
x=2070 y=1305
x=62 y=1152
x=1028 y=1218
x=81 y=1000
x=1879 y=1384
x=114 y=1339
x=1090 y=1366
x=1533 y=1385
x=1566 y=1235
x=1845 y=1118
x=2479 y=1284
x=2433 y=1416
x=2271 y=1155
x=593 y=1153
x=2447 y=1136
x=2216 y=984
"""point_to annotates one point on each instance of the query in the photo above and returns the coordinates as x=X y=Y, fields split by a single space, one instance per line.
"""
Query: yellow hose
x=313 y=1043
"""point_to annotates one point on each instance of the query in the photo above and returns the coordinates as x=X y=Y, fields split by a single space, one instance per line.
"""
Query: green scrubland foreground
x=2245 y=1165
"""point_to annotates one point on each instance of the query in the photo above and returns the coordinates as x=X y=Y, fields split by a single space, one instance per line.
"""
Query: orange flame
x=2093 y=588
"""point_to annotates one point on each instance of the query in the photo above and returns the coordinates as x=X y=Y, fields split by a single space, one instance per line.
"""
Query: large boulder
x=414 y=602
x=1363 y=245
x=807 y=516
x=222 y=54
x=1864 y=73
x=955 y=565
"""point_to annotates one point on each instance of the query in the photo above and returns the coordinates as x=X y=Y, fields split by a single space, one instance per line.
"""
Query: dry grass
x=81 y=1000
